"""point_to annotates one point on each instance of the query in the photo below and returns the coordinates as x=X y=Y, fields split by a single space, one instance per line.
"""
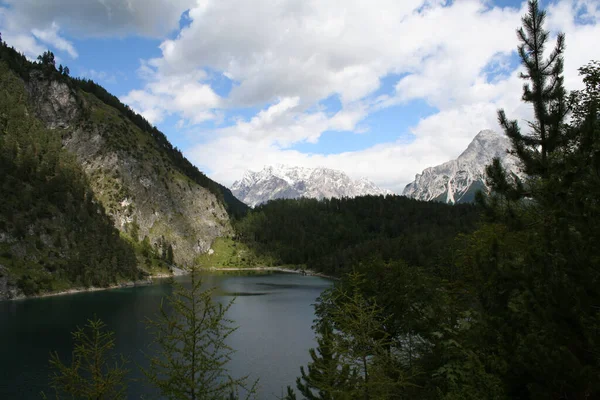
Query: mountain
x=457 y=181
x=285 y=182
x=93 y=194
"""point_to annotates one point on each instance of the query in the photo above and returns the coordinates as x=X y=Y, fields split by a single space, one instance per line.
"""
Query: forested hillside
x=77 y=164
x=53 y=232
x=153 y=194
x=333 y=235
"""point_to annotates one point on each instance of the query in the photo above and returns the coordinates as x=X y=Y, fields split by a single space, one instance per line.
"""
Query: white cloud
x=25 y=44
x=285 y=123
x=32 y=25
x=50 y=36
x=100 y=17
x=186 y=94
x=448 y=66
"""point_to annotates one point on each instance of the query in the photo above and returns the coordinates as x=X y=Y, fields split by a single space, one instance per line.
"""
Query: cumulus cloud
x=100 y=17
x=33 y=25
x=455 y=56
x=51 y=37
x=186 y=94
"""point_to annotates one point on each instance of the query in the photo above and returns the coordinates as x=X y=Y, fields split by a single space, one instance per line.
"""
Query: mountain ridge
x=285 y=182
x=457 y=181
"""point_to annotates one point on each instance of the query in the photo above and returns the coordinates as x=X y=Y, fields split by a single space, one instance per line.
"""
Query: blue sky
x=380 y=89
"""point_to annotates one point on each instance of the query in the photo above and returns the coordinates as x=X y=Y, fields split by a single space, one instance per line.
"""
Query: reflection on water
x=273 y=311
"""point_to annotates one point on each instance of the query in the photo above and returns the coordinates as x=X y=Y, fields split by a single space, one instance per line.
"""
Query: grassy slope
x=228 y=253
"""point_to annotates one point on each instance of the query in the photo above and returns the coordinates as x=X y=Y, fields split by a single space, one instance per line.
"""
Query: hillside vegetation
x=334 y=235
x=54 y=234
x=79 y=162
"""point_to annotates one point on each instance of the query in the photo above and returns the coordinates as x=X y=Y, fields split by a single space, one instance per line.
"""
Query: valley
x=129 y=269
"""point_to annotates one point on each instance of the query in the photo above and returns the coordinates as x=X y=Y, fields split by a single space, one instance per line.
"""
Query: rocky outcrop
x=55 y=103
x=458 y=180
x=129 y=172
x=7 y=289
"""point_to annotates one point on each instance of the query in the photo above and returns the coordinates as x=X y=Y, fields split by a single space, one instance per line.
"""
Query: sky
x=376 y=88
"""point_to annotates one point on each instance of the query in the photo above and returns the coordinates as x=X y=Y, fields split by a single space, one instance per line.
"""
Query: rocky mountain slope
x=154 y=196
x=286 y=182
x=457 y=181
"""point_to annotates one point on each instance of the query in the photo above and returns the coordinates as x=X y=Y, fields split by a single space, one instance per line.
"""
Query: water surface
x=274 y=313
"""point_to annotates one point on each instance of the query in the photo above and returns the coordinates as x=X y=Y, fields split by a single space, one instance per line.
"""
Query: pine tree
x=325 y=375
x=47 y=59
x=538 y=270
x=170 y=254
x=364 y=351
x=544 y=90
x=190 y=334
x=134 y=229
x=94 y=372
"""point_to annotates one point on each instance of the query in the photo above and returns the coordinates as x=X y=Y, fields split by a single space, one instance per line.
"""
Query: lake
x=274 y=312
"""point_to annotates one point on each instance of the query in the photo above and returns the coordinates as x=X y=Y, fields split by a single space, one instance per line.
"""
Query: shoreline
x=123 y=285
x=176 y=272
x=307 y=272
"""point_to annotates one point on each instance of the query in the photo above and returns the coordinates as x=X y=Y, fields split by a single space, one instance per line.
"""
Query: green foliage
x=325 y=374
x=536 y=263
x=507 y=311
x=170 y=255
x=332 y=235
x=47 y=60
x=94 y=372
x=133 y=229
x=356 y=355
x=190 y=334
x=230 y=253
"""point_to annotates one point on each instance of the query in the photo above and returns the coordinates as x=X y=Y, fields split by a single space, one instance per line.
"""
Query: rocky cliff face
x=129 y=172
x=457 y=181
x=285 y=182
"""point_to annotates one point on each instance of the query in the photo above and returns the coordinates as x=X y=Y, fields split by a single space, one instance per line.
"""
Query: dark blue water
x=274 y=313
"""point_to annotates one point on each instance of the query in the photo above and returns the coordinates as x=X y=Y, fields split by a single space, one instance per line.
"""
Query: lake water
x=274 y=313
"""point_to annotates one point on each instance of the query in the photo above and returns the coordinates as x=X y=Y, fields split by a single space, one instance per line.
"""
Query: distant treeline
x=332 y=235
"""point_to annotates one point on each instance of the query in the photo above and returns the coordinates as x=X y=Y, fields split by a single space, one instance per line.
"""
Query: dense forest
x=333 y=235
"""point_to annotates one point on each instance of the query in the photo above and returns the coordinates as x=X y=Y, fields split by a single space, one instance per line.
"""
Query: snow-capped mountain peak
x=282 y=181
x=457 y=181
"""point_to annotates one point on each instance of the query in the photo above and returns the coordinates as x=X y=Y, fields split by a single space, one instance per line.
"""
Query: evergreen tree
x=325 y=374
x=365 y=353
x=134 y=229
x=537 y=271
x=190 y=334
x=47 y=59
x=170 y=254
x=544 y=90
x=94 y=373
